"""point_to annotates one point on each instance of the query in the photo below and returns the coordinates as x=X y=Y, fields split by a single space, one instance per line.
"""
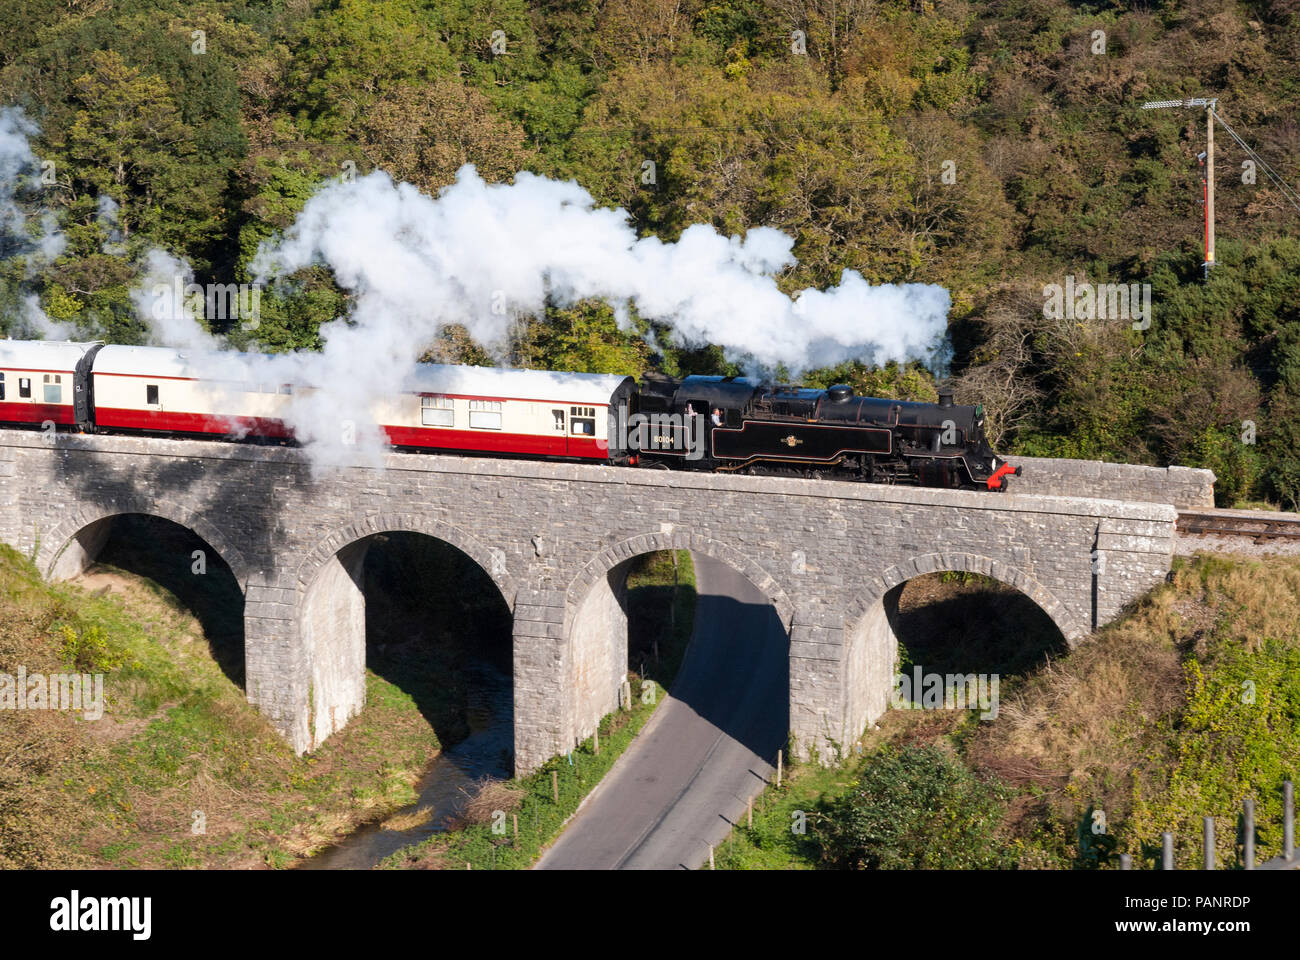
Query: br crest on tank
x=719 y=424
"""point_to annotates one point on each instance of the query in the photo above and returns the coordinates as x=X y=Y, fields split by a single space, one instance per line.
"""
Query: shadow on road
x=736 y=674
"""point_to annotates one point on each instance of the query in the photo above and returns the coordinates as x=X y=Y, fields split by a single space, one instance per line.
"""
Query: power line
x=1292 y=197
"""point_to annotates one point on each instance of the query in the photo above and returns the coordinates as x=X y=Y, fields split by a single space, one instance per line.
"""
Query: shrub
x=914 y=808
x=90 y=650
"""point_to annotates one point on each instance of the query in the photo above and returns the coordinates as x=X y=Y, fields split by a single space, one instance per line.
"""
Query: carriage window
x=437 y=412
x=485 y=414
x=286 y=389
x=2 y=386
x=151 y=394
x=53 y=391
x=584 y=427
x=25 y=388
x=559 y=419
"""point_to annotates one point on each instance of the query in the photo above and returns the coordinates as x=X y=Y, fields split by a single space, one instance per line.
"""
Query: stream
x=447 y=784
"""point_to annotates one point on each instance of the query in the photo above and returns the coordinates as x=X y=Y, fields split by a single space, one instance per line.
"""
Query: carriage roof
x=57 y=355
x=510 y=383
x=503 y=382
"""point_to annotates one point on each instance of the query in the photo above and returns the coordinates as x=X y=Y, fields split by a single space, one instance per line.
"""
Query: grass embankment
x=1180 y=710
x=181 y=771
x=661 y=612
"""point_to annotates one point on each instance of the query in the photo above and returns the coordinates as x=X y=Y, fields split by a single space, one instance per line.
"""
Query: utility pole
x=1209 y=104
x=1209 y=187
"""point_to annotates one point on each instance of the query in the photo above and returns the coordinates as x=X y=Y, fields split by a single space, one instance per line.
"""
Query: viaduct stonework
x=556 y=538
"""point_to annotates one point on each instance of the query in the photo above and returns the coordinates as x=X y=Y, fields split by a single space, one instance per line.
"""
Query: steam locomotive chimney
x=945 y=398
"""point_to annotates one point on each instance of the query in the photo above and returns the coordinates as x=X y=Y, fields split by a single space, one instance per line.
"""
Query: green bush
x=90 y=650
x=914 y=808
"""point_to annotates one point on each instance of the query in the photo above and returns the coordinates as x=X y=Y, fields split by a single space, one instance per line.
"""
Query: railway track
x=1257 y=526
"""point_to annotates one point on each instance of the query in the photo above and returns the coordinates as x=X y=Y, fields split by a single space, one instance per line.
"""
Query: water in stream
x=450 y=781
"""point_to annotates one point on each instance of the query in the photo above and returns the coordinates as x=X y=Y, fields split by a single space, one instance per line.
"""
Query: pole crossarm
x=1210 y=102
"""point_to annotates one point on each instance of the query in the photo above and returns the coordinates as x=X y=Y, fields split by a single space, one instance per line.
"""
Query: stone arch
x=875 y=588
x=329 y=610
x=492 y=562
x=871 y=646
x=68 y=533
x=595 y=620
x=605 y=561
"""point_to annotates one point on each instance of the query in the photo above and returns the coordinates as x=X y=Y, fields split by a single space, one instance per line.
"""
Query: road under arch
x=710 y=746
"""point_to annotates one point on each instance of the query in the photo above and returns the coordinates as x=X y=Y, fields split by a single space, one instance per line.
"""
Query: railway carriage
x=515 y=412
x=44 y=382
x=161 y=390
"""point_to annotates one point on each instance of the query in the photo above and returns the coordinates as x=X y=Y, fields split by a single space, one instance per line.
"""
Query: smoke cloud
x=16 y=163
x=18 y=169
x=482 y=255
x=106 y=214
x=160 y=301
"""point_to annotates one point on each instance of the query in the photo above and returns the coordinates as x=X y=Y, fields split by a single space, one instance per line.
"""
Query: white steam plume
x=18 y=164
x=161 y=302
x=482 y=254
x=106 y=215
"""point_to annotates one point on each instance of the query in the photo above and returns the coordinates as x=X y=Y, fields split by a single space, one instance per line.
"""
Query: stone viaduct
x=555 y=538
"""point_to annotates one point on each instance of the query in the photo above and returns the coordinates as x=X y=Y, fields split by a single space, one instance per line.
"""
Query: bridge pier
x=333 y=636
x=542 y=689
x=871 y=663
x=818 y=717
x=598 y=653
x=277 y=677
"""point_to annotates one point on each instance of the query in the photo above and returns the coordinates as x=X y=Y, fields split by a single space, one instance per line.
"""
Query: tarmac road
x=709 y=747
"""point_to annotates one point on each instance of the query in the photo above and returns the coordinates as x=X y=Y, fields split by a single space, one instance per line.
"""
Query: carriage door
x=560 y=446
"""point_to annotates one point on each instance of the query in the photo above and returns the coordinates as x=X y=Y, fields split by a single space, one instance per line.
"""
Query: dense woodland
x=843 y=147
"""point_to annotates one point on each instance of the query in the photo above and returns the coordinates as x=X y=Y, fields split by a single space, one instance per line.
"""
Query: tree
x=829 y=27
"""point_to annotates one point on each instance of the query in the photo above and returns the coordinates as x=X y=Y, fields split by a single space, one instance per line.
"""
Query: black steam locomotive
x=735 y=424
